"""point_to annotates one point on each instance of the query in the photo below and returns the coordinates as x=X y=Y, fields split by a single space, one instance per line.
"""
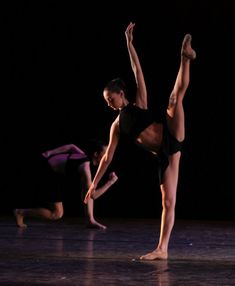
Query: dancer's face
x=114 y=99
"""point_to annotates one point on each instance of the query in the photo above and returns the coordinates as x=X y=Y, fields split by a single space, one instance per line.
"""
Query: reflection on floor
x=66 y=253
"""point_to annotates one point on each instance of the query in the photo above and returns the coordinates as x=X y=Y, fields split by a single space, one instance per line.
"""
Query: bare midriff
x=151 y=138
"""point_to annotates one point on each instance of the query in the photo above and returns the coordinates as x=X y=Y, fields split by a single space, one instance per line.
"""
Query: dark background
x=56 y=58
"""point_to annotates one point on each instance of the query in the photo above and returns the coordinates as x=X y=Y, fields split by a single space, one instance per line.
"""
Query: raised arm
x=141 y=94
x=69 y=148
x=106 y=159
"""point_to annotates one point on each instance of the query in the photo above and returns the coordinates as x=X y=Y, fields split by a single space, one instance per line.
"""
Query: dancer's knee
x=168 y=203
x=58 y=214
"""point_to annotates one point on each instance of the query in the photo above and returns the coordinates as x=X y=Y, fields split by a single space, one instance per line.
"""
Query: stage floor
x=66 y=253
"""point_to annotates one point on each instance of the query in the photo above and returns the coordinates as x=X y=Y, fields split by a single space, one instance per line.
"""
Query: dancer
x=163 y=139
x=62 y=162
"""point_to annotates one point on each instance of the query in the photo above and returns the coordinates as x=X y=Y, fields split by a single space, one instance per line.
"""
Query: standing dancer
x=163 y=139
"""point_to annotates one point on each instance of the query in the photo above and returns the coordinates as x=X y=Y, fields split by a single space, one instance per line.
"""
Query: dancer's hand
x=89 y=193
x=46 y=154
x=113 y=177
x=129 y=32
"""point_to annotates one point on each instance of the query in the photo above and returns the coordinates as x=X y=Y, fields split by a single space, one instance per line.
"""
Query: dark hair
x=94 y=145
x=116 y=85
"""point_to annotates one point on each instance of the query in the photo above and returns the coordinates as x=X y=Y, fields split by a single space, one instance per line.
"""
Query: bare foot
x=186 y=50
x=155 y=255
x=19 y=218
x=95 y=224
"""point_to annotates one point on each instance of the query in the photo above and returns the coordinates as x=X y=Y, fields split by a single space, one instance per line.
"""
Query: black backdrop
x=57 y=57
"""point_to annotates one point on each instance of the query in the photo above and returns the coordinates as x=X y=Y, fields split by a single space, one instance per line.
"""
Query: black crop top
x=73 y=164
x=133 y=120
